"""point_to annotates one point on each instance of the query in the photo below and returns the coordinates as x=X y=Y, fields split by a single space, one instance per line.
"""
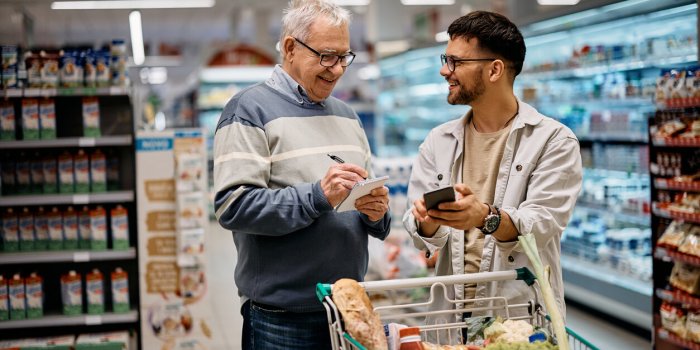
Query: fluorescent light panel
x=130 y=4
x=136 y=38
x=428 y=2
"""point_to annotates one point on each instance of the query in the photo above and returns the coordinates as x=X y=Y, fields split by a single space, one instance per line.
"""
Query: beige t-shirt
x=482 y=157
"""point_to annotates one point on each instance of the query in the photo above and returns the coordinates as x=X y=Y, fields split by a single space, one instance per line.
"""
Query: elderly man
x=276 y=187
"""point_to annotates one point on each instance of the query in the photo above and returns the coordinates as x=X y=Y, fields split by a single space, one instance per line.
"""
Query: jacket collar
x=527 y=115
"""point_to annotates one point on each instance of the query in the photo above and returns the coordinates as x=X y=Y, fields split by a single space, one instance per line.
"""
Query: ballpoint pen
x=336 y=158
x=339 y=160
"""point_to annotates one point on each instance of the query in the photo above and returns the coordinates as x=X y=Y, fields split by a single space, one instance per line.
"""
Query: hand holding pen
x=374 y=205
x=340 y=178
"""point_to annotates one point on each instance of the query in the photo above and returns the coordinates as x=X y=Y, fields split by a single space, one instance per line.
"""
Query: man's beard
x=466 y=96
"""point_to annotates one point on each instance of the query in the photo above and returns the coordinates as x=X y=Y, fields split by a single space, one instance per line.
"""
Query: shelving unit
x=83 y=142
x=50 y=321
x=77 y=256
x=116 y=141
x=669 y=186
x=67 y=199
x=600 y=81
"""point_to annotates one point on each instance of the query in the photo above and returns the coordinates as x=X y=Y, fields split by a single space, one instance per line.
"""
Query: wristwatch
x=491 y=221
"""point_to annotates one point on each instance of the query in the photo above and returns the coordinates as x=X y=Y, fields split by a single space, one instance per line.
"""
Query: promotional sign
x=175 y=306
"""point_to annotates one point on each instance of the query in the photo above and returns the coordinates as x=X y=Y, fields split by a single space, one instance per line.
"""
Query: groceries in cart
x=354 y=324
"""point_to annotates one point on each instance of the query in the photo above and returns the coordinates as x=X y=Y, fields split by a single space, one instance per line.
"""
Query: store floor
x=222 y=260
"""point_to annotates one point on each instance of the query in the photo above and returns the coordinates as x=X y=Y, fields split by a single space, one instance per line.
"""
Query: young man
x=515 y=171
x=276 y=187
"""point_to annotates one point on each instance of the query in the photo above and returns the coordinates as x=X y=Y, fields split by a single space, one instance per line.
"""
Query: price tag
x=49 y=92
x=81 y=256
x=93 y=320
x=13 y=93
x=86 y=142
x=81 y=199
x=32 y=92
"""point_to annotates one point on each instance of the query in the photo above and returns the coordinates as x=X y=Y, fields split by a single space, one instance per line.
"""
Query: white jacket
x=539 y=179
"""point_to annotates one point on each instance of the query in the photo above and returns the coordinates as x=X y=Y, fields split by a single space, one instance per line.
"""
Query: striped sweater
x=269 y=157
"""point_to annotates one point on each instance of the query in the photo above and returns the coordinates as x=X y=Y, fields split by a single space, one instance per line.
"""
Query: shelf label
x=32 y=92
x=81 y=256
x=13 y=93
x=86 y=142
x=81 y=199
x=117 y=90
x=92 y=320
x=49 y=92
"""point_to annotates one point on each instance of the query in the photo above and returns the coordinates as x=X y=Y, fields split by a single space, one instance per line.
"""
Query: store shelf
x=664 y=254
x=80 y=320
x=632 y=218
x=122 y=140
x=674 y=339
x=678 y=297
x=660 y=209
x=676 y=141
x=75 y=199
x=626 y=138
x=613 y=67
x=31 y=92
x=607 y=102
x=37 y=257
x=667 y=184
x=606 y=274
x=675 y=103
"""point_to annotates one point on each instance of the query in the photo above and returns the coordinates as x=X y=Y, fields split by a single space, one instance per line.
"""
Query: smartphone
x=441 y=195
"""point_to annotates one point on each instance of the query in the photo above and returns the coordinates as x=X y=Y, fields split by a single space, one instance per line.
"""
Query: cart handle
x=523 y=274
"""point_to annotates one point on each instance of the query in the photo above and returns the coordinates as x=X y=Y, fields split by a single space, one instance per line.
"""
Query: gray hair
x=301 y=14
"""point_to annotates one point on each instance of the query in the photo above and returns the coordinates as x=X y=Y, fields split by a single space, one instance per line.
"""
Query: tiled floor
x=222 y=260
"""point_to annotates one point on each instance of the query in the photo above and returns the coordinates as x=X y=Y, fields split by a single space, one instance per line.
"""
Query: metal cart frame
x=450 y=330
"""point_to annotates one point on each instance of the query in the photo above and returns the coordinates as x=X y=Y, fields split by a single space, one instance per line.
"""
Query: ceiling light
x=136 y=38
x=428 y=2
x=130 y=4
x=558 y=2
x=351 y=2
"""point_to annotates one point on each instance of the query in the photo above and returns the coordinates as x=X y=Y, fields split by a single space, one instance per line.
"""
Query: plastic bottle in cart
x=410 y=339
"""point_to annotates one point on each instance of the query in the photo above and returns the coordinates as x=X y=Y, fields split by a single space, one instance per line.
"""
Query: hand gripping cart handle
x=449 y=325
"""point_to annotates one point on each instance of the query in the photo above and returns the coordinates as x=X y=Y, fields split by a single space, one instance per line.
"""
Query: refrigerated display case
x=600 y=81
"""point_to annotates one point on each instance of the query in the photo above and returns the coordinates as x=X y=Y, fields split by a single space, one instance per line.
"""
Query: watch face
x=491 y=223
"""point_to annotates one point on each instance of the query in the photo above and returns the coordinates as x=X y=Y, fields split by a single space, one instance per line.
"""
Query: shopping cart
x=445 y=326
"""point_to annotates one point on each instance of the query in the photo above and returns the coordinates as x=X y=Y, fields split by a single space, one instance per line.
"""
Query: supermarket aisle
x=222 y=260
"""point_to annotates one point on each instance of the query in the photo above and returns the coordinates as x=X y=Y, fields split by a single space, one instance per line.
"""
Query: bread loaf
x=361 y=321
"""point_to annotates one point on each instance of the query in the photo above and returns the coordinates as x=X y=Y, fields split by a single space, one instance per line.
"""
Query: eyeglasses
x=328 y=59
x=450 y=61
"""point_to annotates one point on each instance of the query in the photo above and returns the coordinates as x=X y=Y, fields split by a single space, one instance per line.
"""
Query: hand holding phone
x=441 y=195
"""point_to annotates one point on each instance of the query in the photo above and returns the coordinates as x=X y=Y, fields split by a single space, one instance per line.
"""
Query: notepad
x=360 y=189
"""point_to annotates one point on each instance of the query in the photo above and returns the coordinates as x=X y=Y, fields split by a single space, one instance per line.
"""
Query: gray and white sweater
x=269 y=157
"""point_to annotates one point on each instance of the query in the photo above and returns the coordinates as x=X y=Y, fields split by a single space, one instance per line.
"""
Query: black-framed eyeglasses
x=329 y=59
x=451 y=61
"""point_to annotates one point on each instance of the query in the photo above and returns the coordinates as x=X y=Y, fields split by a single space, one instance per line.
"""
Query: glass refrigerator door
x=600 y=81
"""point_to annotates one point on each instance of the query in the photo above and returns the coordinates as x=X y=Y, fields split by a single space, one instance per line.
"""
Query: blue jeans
x=266 y=328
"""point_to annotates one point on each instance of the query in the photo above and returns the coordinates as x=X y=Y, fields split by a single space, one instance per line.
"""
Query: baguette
x=361 y=321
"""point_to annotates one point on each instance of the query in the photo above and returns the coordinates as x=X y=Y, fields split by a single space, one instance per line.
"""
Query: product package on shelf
x=53 y=343
x=675 y=170
x=7 y=121
x=103 y=341
x=4 y=299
